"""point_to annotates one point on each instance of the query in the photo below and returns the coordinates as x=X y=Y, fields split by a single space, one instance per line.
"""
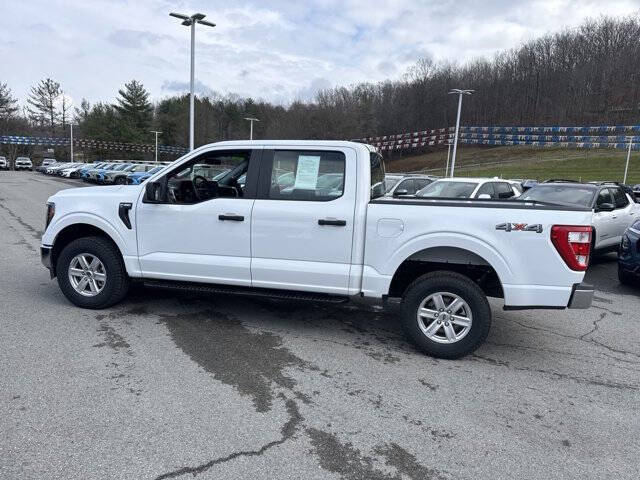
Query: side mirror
x=155 y=192
x=606 y=207
x=402 y=191
x=484 y=196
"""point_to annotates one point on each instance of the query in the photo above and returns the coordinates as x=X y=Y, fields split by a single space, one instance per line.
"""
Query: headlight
x=51 y=211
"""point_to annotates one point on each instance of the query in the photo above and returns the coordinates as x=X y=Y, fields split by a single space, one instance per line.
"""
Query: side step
x=246 y=291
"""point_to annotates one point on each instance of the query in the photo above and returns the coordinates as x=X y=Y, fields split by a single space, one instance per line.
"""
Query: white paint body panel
x=281 y=245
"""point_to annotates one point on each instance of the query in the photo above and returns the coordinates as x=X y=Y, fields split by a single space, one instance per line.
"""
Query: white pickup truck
x=308 y=219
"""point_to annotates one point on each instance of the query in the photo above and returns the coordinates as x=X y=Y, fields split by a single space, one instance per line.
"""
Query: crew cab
x=249 y=232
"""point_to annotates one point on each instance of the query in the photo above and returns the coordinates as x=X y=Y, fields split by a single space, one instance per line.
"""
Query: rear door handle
x=231 y=216
x=332 y=221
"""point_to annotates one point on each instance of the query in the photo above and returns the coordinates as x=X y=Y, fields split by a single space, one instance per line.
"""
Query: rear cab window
x=620 y=198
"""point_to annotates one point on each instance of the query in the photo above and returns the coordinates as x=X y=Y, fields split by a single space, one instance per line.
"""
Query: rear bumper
x=582 y=296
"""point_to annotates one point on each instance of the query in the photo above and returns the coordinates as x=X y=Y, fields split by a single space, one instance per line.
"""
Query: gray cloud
x=278 y=50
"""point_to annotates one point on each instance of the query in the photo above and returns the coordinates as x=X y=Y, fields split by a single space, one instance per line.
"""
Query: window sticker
x=307 y=172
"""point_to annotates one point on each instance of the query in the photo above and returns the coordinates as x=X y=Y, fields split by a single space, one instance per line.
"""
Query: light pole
x=251 y=120
x=190 y=21
x=626 y=168
x=446 y=170
x=157 y=133
x=460 y=93
x=71 y=142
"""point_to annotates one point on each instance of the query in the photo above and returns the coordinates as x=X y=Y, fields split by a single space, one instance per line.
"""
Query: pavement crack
x=287 y=432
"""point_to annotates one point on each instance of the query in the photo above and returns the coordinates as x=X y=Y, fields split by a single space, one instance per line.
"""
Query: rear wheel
x=446 y=314
x=120 y=181
x=624 y=277
x=91 y=273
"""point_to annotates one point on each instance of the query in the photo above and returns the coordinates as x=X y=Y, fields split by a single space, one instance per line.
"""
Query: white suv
x=4 y=164
x=480 y=188
x=23 y=163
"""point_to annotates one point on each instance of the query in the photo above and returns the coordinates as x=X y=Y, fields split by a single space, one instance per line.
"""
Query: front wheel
x=446 y=314
x=120 y=181
x=91 y=273
x=624 y=277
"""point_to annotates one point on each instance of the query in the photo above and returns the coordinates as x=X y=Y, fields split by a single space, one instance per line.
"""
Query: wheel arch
x=74 y=231
x=452 y=258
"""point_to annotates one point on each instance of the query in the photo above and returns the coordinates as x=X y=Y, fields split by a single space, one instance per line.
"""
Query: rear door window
x=307 y=175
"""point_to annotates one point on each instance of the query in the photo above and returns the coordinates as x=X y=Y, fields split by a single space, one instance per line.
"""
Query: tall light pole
x=71 y=142
x=446 y=170
x=157 y=133
x=460 y=93
x=190 y=21
x=626 y=168
x=251 y=120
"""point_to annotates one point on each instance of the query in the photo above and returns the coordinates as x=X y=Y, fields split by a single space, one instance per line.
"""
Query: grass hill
x=526 y=162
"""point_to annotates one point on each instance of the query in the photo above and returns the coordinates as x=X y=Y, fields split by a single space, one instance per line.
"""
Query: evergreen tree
x=135 y=111
x=8 y=104
x=42 y=103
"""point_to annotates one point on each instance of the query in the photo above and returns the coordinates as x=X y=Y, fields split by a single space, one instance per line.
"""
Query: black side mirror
x=402 y=191
x=155 y=192
x=606 y=207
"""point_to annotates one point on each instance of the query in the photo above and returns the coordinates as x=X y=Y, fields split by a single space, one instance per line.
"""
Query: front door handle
x=332 y=221
x=231 y=216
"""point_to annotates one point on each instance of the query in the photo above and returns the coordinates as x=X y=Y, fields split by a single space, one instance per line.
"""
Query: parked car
x=93 y=173
x=4 y=164
x=241 y=234
x=409 y=185
x=83 y=173
x=528 y=183
x=119 y=177
x=46 y=162
x=629 y=255
x=481 y=188
x=72 y=170
x=105 y=176
x=55 y=167
x=137 y=178
x=23 y=163
x=613 y=210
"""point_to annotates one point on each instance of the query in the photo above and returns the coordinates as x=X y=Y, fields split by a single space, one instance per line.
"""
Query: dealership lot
x=165 y=385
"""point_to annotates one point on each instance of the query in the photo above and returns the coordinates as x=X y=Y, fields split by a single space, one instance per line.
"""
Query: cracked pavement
x=177 y=385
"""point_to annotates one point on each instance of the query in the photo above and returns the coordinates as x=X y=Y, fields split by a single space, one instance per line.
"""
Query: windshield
x=562 y=194
x=447 y=189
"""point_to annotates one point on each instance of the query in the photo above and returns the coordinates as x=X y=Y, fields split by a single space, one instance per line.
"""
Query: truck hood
x=121 y=193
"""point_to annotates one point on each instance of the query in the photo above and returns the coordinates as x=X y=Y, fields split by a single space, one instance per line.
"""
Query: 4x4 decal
x=519 y=227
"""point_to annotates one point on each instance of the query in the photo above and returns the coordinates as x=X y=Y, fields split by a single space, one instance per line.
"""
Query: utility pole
x=251 y=120
x=157 y=133
x=190 y=21
x=460 y=93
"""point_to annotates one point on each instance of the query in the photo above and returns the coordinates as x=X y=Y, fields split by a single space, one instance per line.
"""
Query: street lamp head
x=458 y=91
x=195 y=18
x=251 y=119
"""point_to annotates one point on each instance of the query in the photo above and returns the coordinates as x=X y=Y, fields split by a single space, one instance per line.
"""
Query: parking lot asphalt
x=169 y=385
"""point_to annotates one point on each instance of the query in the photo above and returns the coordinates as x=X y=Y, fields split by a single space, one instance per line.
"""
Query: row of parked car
x=103 y=173
x=616 y=212
x=21 y=163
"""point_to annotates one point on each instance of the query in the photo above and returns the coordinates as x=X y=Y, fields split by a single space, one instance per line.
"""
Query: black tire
x=624 y=277
x=120 y=181
x=117 y=280
x=467 y=290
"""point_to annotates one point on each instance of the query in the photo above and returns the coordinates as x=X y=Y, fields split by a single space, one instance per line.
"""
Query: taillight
x=573 y=243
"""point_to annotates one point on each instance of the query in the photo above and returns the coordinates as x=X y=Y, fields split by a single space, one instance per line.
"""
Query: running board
x=246 y=291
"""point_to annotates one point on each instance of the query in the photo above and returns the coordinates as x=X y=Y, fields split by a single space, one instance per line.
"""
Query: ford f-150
x=309 y=219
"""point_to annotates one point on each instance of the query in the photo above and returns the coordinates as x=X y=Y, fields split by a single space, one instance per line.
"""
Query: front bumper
x=581 y=297
x=45 y=257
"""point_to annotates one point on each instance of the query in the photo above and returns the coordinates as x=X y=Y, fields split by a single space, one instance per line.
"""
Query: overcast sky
x=275 y=50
